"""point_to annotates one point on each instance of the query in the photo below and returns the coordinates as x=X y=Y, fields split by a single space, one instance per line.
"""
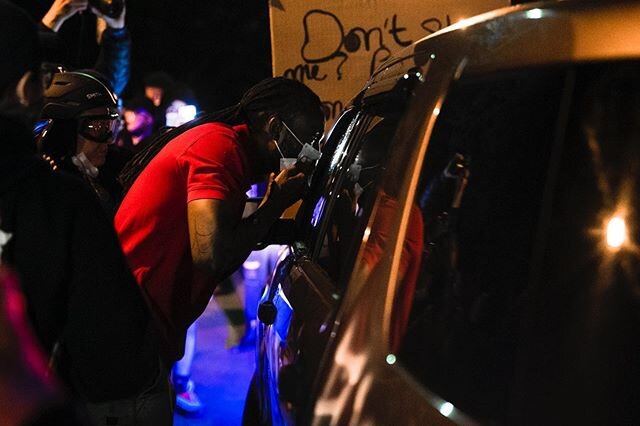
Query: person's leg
x=254 y=273
x=186 y=398
x=228 y=298
x=256 y=270
x=182 y=367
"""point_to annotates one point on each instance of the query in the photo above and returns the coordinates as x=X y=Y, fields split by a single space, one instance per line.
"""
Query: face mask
x=308 y=154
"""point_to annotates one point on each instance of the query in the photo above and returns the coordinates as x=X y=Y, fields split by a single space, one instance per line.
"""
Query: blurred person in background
x=139 y=124
x=182 y=105
x=136 y=129
x=157 y=85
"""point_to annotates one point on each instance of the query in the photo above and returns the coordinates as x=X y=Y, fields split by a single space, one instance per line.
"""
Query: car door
x=522 y=304
x=519 y=310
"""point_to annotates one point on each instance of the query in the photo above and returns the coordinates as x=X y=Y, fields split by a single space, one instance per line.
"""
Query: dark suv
x=468 y=250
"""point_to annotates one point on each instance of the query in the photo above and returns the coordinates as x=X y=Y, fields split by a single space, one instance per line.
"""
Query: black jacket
x=77 y=285
x=105 y=186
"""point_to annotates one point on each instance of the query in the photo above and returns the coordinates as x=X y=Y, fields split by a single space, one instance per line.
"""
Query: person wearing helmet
x=80 y=120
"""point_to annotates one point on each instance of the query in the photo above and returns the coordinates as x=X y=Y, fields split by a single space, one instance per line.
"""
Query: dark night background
x=218 y=48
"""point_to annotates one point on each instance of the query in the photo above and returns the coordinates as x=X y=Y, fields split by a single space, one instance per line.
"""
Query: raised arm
x=60 y=11
x=114 y=59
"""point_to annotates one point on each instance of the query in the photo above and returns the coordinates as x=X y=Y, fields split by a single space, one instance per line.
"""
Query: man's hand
x=286 y=188
x=61 y=10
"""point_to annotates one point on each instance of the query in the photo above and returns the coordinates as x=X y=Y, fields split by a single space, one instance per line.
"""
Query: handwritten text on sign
x=321 y=60
x=334 y=46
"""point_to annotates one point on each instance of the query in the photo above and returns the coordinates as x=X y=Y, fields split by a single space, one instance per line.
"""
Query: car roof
x=531 y=35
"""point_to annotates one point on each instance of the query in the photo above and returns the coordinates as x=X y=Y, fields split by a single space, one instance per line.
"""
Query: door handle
x=267 y=310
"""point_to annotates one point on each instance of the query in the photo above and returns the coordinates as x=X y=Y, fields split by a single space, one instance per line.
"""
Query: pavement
x=221 y=376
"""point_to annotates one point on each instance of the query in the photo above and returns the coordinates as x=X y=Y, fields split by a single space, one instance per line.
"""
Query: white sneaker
x=188 y=401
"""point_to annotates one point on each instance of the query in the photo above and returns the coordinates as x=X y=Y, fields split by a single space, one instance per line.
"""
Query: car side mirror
x=282 y=233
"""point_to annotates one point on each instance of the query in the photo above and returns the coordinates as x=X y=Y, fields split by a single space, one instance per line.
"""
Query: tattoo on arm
x=202 y=243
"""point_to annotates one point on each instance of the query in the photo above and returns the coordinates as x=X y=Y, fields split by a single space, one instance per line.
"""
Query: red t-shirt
x=206 y=162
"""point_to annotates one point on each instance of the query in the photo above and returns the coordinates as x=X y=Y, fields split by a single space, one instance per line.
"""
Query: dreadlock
x=278 y=95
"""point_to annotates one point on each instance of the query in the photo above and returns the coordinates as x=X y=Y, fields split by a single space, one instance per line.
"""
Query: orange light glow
x=616 y=232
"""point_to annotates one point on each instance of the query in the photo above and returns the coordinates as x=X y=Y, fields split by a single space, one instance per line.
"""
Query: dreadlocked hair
x=277 y=95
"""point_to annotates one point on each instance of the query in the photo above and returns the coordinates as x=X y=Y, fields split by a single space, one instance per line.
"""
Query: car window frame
x=337 y=179
x=306 y=231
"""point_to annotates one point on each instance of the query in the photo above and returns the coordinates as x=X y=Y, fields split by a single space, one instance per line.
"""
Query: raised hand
x=61 y=10
x=287 y=187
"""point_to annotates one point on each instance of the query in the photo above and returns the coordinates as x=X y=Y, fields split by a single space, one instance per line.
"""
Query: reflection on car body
x=467 y=252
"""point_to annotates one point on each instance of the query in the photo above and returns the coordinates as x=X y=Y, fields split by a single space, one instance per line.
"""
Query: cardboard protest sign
x=333 y=46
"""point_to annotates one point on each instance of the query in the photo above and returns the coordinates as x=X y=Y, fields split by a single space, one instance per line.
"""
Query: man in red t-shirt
x=181 y=225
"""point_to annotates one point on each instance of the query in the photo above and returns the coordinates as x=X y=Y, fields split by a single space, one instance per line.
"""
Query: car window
x=333 y=149
x=337 y=208
x=455 y=322
x=521 y=306
x=353 y=194
x=349 y=197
